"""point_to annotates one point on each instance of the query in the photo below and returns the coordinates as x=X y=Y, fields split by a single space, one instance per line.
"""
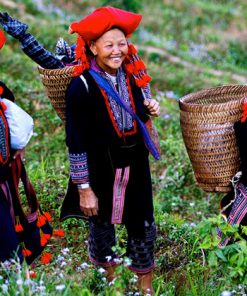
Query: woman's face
x=110 y=50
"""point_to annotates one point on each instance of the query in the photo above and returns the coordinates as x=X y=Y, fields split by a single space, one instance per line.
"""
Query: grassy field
x=187 y=45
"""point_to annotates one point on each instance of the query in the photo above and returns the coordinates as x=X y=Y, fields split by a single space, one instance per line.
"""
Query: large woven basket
x=207 y=118
x=56 y=82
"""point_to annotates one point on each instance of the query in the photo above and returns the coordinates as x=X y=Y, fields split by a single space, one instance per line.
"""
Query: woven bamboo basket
x=56 y=82
x=207 y=118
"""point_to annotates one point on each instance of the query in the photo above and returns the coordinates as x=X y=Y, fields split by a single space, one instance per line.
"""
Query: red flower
x=46 y=258
x=18 y=227
x=58 y=233
x=26 y=252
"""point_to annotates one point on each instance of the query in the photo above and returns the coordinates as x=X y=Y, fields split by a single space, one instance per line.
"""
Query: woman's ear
x=93 y=48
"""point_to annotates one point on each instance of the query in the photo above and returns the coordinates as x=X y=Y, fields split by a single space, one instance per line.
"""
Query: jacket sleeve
x=77 y=129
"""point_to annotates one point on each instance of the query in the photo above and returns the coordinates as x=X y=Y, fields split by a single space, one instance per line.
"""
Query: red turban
x=103 y=19
x=2 y=39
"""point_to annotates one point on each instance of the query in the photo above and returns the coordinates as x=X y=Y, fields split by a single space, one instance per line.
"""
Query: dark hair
x=7 y=93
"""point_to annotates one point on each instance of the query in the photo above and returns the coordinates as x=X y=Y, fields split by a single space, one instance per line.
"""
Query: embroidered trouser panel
x=139 y=250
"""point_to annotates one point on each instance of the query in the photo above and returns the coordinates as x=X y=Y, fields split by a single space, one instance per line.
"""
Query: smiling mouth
x=116 y=59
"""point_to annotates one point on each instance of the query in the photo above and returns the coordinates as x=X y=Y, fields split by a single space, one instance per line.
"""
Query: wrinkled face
x=110 y=50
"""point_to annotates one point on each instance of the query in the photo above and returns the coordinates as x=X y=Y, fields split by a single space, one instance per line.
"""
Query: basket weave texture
x=207 y=118
x=56 y=82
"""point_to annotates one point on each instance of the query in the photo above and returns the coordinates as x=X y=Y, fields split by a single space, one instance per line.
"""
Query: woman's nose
x=116 y=49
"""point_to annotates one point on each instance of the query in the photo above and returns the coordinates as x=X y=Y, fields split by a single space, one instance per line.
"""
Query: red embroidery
x=108 y=106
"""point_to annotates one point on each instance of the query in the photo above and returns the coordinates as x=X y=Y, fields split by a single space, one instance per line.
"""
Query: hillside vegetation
x=187 y=45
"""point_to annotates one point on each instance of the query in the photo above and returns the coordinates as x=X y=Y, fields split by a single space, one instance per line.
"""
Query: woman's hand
x=152 y=106
x=88 y=202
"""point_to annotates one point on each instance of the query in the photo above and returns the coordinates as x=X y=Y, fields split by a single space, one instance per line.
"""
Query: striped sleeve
x=33 y=49
x=79 y=168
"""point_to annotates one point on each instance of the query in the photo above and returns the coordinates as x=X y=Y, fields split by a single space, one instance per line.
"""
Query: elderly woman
x=108 y=157
x=108 y=105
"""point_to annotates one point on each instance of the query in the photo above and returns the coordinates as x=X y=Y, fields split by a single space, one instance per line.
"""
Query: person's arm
x=30 y=46
x=77 y=129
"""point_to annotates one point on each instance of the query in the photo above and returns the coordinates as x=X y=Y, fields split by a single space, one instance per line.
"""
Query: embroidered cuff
x=79 y=168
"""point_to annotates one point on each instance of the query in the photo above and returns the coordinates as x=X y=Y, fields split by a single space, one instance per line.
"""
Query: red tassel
x=26 y=252
x=140 y=65
x=48 y=216
x=46 y=258
x=44 y=238
x=132 y=50
x=80 y=45
x=41 y=221
x=244 y=114
x=18 y=227
x=58 y=233
x=1 y=90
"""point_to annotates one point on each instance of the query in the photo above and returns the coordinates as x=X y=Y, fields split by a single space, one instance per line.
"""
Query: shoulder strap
x=106 y=86
x=19 y=173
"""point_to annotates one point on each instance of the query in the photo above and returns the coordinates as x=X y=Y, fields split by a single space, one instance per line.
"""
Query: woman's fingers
x=153 y=107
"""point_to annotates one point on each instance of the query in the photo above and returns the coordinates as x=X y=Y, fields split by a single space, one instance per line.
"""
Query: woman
x=19 y=235
x=109 y=168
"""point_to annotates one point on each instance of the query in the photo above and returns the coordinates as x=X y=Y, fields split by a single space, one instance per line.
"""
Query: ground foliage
x=208 y=36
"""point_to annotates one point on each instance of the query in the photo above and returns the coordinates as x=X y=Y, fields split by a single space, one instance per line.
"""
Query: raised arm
x=31 y=47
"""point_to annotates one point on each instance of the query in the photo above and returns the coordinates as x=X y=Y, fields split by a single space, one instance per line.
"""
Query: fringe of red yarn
x=244 y=114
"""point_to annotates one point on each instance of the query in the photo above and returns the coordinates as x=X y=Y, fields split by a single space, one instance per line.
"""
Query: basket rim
x=185 y=103
x=52 y=72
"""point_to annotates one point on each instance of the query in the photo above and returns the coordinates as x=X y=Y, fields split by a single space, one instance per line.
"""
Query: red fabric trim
x=108 y=106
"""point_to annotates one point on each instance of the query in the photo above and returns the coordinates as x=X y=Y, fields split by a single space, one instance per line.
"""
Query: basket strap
x=83 y=79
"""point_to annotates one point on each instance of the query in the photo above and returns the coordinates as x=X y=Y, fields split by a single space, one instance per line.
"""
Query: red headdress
x=99 y=22
x=2 y=39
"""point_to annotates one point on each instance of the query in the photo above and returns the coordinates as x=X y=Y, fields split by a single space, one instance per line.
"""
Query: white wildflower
x=84 y=265
x=127 y=261
x=112 y=282
x=65 y=251
x=134 y=279
x=226 y=293
x=108 y=258
x=4 y=288
x=63 y=264
x=101 y=270
x=117 y=260
x=19 y=282
x=60 y=258
x=60 y=287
